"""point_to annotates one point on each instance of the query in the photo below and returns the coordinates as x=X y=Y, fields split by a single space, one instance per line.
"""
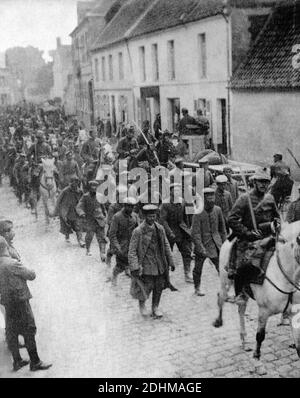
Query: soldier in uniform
x=94 y=214
x=232 y=185
x=69 y=168
x=128 y=146
x=149 y=259
x=174 y=219
x=165 y=149
x=208 y=233
x=121 y=229
x=222 y=197
x=242 y=225
x=90 y=148
x=39 y=149
x=278 y=165
x=66 y=209
x=293 y=213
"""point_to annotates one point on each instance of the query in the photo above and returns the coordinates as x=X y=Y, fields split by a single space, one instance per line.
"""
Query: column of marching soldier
x=141 y=235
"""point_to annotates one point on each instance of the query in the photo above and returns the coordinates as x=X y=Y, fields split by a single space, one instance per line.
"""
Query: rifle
x=147 y=142
x=292 y=155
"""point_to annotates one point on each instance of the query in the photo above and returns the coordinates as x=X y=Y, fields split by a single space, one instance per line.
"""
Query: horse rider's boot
x=80 y=239
x=142 y=307
x=187 y=270
x=238 y=285
x=103 y=252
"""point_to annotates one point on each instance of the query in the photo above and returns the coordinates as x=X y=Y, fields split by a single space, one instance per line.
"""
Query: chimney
x=58 y=42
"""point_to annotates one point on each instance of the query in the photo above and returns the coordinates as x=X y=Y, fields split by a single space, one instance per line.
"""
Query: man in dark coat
x=15 y=297
x=232 y=185
x=94 y=214
x=208 y=234
x=174 y=219
x=149 y=259
x=165 y=149
x=90 y=148
x=293 y=213
x=241 y=223
x=128 y=146
x=157 y=126
x=39 y=149
x=278 y=165
x=223 y=198
x=66 y=209
x=122 y=226
x=186 y=121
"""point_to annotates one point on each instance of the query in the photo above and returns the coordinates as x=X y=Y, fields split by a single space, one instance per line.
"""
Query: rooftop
x=269 y=63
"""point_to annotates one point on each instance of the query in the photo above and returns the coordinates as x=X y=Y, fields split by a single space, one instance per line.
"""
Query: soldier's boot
x=114 y=277
x=187 y=270
x=198 y=292
x=67 y=238
x=102 y=252
x=156 y=314
x=238 y=286
x=80 y=239
x=142 y=308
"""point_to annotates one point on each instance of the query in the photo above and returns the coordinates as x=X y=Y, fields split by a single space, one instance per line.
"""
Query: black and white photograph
x=149 y=191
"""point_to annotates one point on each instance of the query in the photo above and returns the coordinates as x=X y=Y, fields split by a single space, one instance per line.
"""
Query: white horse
x=280 y=291
x=48 y=187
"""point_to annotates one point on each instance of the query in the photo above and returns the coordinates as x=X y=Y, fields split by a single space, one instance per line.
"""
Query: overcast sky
x=36 y=23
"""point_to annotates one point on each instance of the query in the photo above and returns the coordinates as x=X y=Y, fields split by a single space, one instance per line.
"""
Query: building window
x=110 y=67
x=202 y=55
x=171 y=60
x=155 y=68
x=103 y=68
x=97 y=69
x=121 y=66
x=142 y=63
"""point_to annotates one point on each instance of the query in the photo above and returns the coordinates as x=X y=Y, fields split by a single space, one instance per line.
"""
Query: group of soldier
x=142 y=235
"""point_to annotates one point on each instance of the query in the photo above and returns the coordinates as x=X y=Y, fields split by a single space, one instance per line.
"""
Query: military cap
x=93 y=183
x=278 y=154
x=261 y=176
x=150 y=209
x=207 y=191
x=202 y=161
x=221 y=179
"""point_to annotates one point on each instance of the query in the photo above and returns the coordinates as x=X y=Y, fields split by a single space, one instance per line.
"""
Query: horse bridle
x=280 y=239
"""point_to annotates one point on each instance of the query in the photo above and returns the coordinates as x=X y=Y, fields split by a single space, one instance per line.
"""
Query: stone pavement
x=86 y=328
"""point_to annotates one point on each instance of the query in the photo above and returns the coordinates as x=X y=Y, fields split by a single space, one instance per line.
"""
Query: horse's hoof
x=218 y=323
x=246 y=348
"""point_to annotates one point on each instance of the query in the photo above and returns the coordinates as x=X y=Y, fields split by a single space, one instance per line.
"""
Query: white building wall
x=188 y=85
x=264 y=123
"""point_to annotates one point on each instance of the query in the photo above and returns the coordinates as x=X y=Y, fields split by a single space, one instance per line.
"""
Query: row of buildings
x=237 y=60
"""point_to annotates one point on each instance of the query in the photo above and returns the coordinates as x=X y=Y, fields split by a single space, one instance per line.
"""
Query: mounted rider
x=128 y=146
x=253 y=225
x=39 y=149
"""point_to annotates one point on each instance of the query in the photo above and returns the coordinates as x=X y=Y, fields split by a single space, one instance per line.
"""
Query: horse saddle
x=254 y=261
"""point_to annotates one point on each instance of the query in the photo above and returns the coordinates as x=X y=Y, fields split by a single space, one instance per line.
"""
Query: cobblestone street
x=86 y=328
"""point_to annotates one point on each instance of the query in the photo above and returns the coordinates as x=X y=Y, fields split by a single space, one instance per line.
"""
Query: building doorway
x=91 y=102
x=222 y=126
x=173 y=114
x=113 y=113
x=150 y=103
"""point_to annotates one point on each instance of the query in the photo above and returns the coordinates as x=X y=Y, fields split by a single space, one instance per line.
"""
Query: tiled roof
x=118 y=27
x=269 y=63
x=139 y=17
